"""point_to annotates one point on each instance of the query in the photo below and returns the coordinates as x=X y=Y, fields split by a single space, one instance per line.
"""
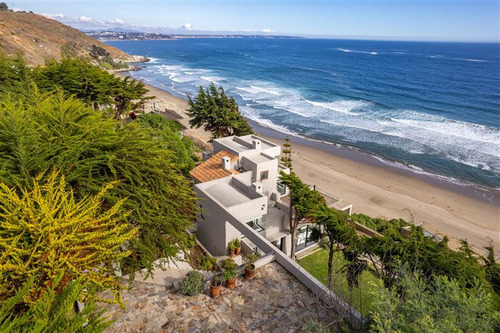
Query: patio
x=273 y=302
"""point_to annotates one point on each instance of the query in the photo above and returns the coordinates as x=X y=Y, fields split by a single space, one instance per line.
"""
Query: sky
x=447 y=20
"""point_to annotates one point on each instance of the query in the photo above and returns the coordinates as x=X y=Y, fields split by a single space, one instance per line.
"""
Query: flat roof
x=259 y=158
x=244 y=143
x=227 y=194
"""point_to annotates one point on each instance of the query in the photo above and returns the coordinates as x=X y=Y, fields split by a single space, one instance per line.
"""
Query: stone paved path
x=273 y=302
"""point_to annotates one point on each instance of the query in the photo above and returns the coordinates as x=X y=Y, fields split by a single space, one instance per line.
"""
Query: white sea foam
x=460 y=59
x=153 y=60
x=257 y=90
x=213 y=79
x=357 y=51
x=342 y=106
x=351 y=120
x=471 y=60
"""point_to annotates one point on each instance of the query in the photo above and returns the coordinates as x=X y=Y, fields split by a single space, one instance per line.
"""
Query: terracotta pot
x=231 y=284
x=231 y=254
x=215 y=290
x=237 y=250
x=249 y=272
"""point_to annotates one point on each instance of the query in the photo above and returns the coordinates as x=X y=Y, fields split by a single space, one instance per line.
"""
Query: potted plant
x=215 y=285
x=250 y=267
x=237 y=245
x=231 y=248
x=229 y=274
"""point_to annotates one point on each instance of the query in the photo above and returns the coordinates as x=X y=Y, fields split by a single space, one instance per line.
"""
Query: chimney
x=206 y=155
x=226 y=163
x=256 y=144
x=257 y=187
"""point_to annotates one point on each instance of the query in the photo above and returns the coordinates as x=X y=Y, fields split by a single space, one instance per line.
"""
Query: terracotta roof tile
x=212 y=169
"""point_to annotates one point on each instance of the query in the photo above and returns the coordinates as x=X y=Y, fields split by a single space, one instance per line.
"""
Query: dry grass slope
x=38 y=38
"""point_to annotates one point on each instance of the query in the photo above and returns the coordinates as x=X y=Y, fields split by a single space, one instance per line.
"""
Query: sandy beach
x=374 y=190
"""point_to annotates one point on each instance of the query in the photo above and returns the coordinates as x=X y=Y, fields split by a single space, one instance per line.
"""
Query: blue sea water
x=434 y=107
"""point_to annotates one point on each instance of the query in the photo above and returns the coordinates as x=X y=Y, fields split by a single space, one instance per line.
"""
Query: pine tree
x=217 y=113
x=303 y=203
x=286 y=159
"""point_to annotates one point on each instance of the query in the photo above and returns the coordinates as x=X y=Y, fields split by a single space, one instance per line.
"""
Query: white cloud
x=266 y=31
x=116 y=21
x=85 y=19
x=54 y=16
x=187 y=26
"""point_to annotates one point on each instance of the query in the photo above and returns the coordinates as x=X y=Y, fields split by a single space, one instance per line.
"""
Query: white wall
x=212 y=230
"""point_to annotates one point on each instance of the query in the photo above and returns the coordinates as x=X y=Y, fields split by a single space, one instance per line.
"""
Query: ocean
x=430 y=107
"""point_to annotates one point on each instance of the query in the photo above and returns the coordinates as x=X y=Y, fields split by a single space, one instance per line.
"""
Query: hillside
x=38 y=38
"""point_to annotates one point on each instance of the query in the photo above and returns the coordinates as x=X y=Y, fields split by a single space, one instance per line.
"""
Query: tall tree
x=128 y=95
x=286 y=152
x=335 y=225
x=492 y=269
x=217 y=113
x=304 y=202
x=95 y=86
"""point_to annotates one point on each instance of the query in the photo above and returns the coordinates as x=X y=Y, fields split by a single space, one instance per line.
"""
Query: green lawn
x=360 y=298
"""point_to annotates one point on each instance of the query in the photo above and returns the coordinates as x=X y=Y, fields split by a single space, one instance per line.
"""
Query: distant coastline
x=105 y=36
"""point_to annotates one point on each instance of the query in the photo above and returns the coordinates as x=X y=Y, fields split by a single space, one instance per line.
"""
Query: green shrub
x=251 y=258
x=230 y=269
x=207 y=263
x=236 y=242
x=192 y=284
x=53 y=311
x=230 y=246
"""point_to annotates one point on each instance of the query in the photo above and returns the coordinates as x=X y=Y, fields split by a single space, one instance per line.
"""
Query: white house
x=240 y=182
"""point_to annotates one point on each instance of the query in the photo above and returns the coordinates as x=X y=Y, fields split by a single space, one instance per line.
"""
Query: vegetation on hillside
x=52 y=312
x=67 y=117
x=96 y=87
x=38 y=38
x=217 y=113
x=443 y=305
x=471 y=281
x=167 y=132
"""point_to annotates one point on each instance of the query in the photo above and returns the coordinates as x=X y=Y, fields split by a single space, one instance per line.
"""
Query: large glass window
x=303 y=238
x=256 y=224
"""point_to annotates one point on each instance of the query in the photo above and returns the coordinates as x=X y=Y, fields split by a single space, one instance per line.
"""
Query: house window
x=281 y=187
x=278 y=243
x=256 y=224
x=304 y=238
x=264 y=175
